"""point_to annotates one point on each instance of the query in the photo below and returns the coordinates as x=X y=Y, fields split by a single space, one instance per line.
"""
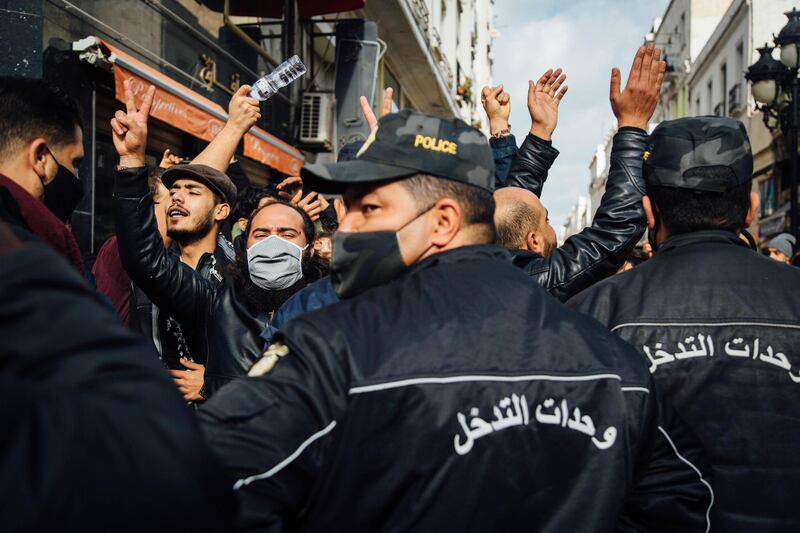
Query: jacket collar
x=461 y=254
x=683 y=240
x=22 y=209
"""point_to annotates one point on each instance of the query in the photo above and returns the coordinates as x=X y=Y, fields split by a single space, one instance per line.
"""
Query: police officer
x=446 y=392
x=717 y=324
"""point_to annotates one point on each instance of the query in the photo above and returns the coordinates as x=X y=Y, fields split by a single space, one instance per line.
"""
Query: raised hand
x=366 y=109
x=291 y=189
x=312 y=205
x=497 y=104
x=243 y=111
x=169 y=159
x=129 y=129
x=635 y=105
x=544 y=97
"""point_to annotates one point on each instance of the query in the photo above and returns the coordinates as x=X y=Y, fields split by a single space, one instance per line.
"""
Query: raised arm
x=243 y=112
x=536 y=155
x=171 y=285
x=599 y=250
x=497 y=105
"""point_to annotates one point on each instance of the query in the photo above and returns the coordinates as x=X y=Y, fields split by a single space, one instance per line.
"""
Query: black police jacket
x=719 y=327
x=94 y=437
x=600 y=249
x=211 y=310
x=459 y=397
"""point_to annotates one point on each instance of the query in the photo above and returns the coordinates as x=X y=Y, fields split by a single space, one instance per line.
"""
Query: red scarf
x=44 y=224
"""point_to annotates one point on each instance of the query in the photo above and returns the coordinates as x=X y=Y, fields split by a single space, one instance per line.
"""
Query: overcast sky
x=586 y=38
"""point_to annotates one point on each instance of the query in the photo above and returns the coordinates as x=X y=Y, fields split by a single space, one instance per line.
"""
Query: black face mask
x=361 y=261
x=64 y=193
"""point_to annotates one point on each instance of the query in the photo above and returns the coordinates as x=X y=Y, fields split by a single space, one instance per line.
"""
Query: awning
x=274 y=10
x=195 y=114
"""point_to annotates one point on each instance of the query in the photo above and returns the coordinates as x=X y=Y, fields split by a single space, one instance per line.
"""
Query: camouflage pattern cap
x=676 y=146
x=409 y=143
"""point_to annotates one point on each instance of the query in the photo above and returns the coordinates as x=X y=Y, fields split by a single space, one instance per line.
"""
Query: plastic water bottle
x=283 y=75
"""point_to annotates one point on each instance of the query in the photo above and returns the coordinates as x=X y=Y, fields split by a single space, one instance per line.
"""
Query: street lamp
x=775 y=90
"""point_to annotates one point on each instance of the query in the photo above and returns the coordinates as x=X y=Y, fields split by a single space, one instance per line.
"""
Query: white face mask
x=275 y=263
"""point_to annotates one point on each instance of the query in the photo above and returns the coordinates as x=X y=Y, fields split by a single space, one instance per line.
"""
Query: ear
x=531 y=243
x=755 y=201
x=36 y=155
x=242 y=224
x=446 y=220
x=221 y=212
x=648 y=212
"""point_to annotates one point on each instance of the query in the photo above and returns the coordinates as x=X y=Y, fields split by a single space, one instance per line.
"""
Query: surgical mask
x=361 y=261
x=275 y=263
x=64 y=193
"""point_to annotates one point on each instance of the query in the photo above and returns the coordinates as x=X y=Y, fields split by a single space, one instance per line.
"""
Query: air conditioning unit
x=316 y=121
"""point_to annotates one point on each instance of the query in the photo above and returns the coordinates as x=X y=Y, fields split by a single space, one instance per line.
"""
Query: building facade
x=709 y=80
x=436 y=54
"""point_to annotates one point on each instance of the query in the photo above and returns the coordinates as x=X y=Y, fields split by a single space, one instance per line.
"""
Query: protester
x=225 y=316
x=717 y=324
x=781 y=248
x=599 y=250
x=94 y=436
x=438 y=326
x=41 y=145
x=110 y=276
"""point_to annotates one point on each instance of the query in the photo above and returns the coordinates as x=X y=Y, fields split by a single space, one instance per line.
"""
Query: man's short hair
x=248 y=198
x=517 y=220
x=685 y=210
x=477 y=205
x=29 y=109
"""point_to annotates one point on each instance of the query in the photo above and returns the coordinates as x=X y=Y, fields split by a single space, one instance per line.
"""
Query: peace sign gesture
x=129 y=130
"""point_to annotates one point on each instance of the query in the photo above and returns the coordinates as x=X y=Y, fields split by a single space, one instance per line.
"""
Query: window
x=739 y=62
x=710 y=98
x=723 y=73
x=389 y=80
x=697 y=111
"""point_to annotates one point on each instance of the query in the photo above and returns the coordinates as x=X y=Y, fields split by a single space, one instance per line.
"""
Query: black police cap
x=678 y=146
x=409 y=143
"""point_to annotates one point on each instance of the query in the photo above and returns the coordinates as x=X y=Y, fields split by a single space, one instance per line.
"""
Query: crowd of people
x=396 y=341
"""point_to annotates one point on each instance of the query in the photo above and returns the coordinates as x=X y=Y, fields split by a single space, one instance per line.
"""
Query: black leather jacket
x=600 y=249
x=439 y=402
x=719 y=327
x=146 y=317
x=209 y=310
